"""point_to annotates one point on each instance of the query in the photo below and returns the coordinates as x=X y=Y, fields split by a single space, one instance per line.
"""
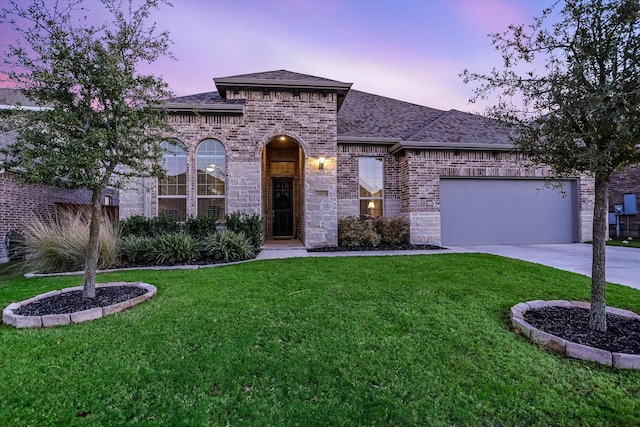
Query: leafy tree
x=569 y=85
x=99 y=130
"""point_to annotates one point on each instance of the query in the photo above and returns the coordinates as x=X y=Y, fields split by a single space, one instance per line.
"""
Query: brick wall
x=19 y=204
x=348 y=186
x=625 y=181
x=308 y=118
x=412 y=183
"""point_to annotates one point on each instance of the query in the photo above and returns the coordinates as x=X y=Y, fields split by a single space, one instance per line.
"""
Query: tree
x=100 y=129
x=580 y=111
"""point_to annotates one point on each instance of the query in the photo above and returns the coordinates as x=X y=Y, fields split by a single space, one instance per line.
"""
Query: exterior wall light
x=321 y=161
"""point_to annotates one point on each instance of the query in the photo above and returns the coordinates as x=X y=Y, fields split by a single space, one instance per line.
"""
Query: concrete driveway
x=623 y=264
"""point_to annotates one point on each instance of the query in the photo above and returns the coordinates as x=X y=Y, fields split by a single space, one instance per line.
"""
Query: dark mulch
x=403 y=247
x=572 y=324
x=71 y=302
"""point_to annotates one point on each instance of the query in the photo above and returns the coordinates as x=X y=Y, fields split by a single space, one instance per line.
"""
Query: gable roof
x=282 y=79
x=362 y=117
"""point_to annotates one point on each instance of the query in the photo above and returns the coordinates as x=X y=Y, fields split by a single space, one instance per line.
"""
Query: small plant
x=354 y=231
x=135 y=225
x=227 y=246
x=252 y=226
x=133 y=249
x=163 y=224
x=392 y=230
x=200 y=226
x=172 y=248
x=60 y=244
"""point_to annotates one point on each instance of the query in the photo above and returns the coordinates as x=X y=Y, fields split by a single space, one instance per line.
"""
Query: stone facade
x=625 y=181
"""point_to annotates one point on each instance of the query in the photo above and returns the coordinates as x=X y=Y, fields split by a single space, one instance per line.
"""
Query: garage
x=507 y=211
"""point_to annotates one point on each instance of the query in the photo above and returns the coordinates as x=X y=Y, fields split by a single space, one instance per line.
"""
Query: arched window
x=172 y=190
x=211 y=164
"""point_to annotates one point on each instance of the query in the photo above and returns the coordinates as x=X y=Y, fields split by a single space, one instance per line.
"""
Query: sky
x=411 y=50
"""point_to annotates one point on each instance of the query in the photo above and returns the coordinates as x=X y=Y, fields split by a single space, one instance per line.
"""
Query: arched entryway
x=283 y=185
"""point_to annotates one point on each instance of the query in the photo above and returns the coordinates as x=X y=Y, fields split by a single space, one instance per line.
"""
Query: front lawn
x=398 y=341
x=621 y=241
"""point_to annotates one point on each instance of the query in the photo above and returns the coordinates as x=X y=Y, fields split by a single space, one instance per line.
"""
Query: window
x=211 y=165
x=172 y=190
x=371 y=186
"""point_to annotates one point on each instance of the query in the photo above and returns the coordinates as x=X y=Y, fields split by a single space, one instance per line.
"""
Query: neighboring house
x=304 y=151
x=19 y=204
x=625 y=182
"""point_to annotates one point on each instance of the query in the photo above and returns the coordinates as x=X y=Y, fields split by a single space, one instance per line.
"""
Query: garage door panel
x=506 y=211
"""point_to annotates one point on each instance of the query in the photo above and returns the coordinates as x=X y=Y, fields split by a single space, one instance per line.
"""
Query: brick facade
x=287 y=117
x=412 y=183
x=625 y=181
x=19 y=204
x=309 y=119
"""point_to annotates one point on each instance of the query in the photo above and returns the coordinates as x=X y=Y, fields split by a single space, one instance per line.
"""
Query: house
x=18 y=203
x=625 y=182
x=304 y=150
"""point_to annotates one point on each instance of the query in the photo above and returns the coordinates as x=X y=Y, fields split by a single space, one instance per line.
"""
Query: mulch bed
x=71 y=302
x=572 y=324
x=404 y=247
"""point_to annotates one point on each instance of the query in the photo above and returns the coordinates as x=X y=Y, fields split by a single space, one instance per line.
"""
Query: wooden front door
x=282 y=207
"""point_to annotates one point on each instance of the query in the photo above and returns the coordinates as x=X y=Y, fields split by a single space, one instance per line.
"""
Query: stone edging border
x=18 y=321
x=571 y=349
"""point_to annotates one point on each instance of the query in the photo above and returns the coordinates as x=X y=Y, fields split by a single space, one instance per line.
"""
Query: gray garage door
x=506 y=211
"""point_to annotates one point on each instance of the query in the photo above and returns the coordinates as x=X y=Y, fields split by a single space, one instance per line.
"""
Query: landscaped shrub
x=227 y=246
x=133 y=249
x=354 y=231
x=201 y=226
x=60 y=244
x=172 y=248
x=252 y=226
x=139 y=225
x=163 y=224
x=392 y=230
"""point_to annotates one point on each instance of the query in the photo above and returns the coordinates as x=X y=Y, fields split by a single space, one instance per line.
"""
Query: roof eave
x=226 y=82
x=204 y=108
x=436 y=145
x=367 y=140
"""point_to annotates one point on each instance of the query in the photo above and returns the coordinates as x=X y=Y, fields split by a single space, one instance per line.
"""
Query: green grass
x=371 y=341
x=619 y=241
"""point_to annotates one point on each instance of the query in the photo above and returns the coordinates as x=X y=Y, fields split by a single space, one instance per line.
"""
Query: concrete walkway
x=623 y=264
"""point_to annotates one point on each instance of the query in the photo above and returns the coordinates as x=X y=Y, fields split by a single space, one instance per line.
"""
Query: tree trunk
x=91 y=264
x=597 y=315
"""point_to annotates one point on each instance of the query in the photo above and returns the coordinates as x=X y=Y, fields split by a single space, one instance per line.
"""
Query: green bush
x=54 y=245
x=392 y=230
x=133 y=249
x=227 y=246
x=139 y=225
x=135 y=225
x=200 y=226
x=252 y=226
x=172 y=248
x=354 y=231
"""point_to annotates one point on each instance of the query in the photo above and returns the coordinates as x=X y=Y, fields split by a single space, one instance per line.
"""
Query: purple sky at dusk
x=412 y=50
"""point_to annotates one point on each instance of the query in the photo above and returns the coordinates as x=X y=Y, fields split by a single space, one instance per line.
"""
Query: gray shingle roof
x=368 y=115
x=204 y=98
x=279 y=75
x=459 y=127
x=365 y=116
